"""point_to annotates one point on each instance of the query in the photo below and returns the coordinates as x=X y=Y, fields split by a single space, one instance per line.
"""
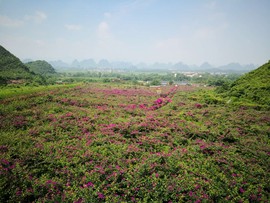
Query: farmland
x=104 y=142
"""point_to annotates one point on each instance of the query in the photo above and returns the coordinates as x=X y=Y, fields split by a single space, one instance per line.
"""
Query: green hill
x=254 y=86
x=41 y=67
x=11 y=68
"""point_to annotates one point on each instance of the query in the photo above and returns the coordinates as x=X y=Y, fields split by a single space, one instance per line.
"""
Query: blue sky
x=193 y=32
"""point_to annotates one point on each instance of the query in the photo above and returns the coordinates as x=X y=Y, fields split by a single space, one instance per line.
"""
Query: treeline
x=222 y=81
x=151 y=78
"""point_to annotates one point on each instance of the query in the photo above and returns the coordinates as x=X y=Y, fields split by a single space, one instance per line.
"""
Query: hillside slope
x=41 y=67
x=254 y=86
x=11 y=68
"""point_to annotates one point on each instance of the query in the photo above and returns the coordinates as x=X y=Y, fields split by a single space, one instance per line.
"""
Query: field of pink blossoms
x=117 y=143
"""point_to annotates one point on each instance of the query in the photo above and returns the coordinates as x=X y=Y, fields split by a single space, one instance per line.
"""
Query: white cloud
x=73 y=27
x=8 y=22
x=38 y=17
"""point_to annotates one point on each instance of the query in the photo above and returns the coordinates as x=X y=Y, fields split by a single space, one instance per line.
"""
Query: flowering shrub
x=159 y=101
x=103 y=143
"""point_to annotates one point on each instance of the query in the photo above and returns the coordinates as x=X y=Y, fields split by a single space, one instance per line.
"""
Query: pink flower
x=199 y=106
x=112 y=125
x=159 y=101
x=69 y=114
x=241 y=190
x=101 y=196
x=79 y=200
x=19 y=192
x=142 y=106
x=197 y=186
x=89 y=184
x=202 y=146
x=184 y=150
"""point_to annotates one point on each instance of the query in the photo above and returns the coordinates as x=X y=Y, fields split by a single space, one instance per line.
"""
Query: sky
x=192 y=32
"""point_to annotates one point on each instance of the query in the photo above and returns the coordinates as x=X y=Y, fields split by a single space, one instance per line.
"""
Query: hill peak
x=41 y=67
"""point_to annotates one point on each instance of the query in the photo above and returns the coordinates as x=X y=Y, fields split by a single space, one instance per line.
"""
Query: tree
x=155 y=82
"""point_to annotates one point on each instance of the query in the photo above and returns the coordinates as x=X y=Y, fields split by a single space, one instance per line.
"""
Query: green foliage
x=222 y=81
x=41 y=67
x=13 y=91
x=253 y=86
x=155 y=82
x=209 y=97
x=11 y=68
x=3 y=81
x=106 y=80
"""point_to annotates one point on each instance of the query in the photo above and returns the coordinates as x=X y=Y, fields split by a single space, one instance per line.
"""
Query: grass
x=18 y=90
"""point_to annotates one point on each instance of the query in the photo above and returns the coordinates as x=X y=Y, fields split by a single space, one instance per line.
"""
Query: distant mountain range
x=89 y=64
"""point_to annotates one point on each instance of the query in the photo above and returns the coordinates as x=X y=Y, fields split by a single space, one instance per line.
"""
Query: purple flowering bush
x=111 y=143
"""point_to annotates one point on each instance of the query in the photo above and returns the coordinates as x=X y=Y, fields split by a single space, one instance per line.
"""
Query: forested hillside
x=11 y=68
x=41 y=67
x=254 y=86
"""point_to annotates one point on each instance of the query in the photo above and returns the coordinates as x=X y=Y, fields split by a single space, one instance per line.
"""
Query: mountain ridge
x=179 y=66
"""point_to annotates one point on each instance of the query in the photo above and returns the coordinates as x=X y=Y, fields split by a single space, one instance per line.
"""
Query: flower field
x=120 y=143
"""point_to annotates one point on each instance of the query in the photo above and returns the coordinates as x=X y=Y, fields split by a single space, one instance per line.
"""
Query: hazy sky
x=191 y=31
